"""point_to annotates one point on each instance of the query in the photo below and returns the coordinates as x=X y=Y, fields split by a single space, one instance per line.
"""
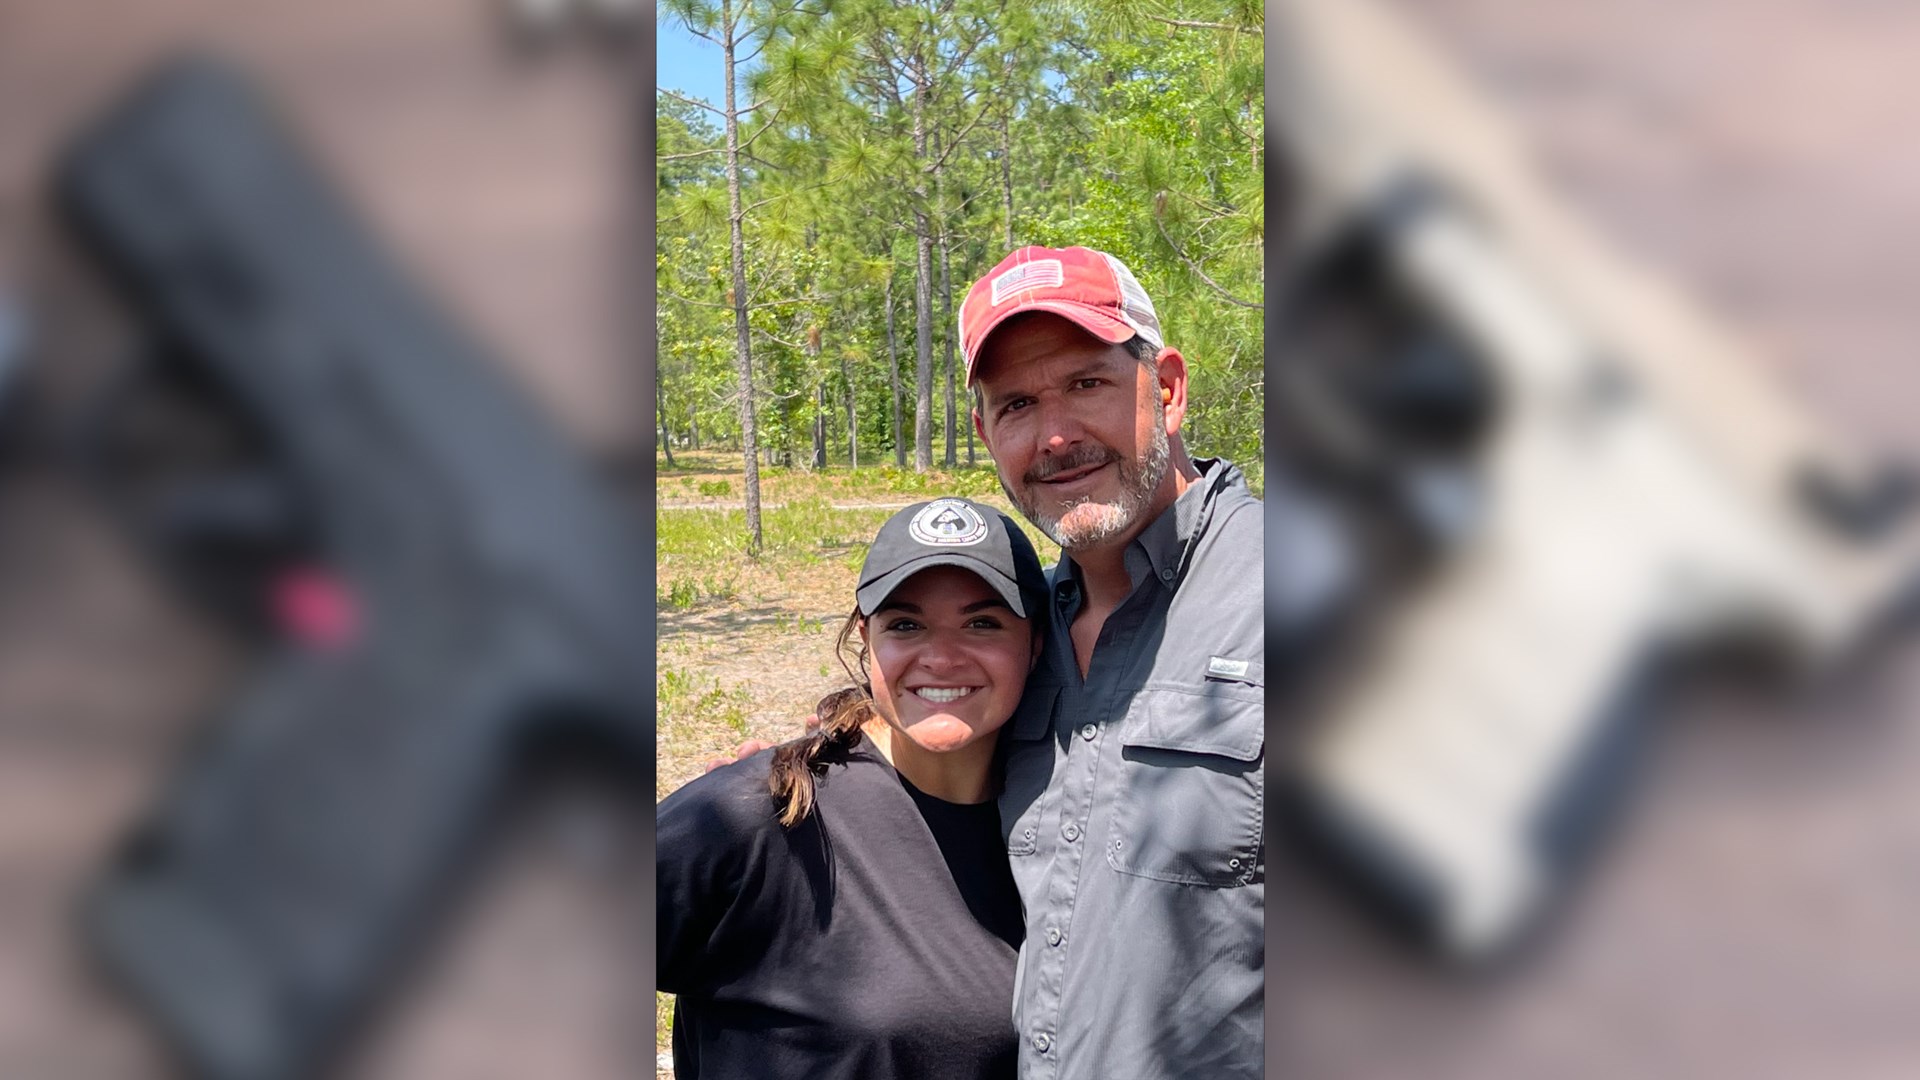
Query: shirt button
x=1167 y=574
x=1088 y=732
x=1027 y=835
x=1042 y=1042
x=1071 y=832
x=1235 y=863
x=1053 y=935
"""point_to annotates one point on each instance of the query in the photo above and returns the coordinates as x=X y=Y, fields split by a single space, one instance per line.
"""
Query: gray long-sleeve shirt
x=1133 y=809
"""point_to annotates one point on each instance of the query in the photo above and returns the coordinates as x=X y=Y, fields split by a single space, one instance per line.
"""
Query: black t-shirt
x=876 y=939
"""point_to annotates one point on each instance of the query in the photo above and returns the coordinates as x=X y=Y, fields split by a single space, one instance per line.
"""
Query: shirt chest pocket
x=1191 y=787
x=1029 y=757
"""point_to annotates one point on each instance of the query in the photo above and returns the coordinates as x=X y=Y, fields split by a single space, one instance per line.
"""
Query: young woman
x=841 y=906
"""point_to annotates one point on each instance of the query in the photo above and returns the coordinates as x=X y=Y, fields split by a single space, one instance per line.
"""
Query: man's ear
x=1173 y=388
x=979 y=427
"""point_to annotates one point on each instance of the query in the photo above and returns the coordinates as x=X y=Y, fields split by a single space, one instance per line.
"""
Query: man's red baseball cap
x=1090 y=287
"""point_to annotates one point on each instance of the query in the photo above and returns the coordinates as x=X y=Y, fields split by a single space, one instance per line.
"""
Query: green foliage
x=1103 y=123
x=1175 y=188
x=687 y=697
x=969 y=483
x=683 y=593
x=805 y=531
x=825 y=518
x=680 y=594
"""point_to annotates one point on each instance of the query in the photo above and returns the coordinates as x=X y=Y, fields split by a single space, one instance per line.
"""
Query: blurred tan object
x=1604 y=479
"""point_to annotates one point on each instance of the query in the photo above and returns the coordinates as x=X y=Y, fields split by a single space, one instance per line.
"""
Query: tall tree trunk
x=820 y=426
x=946 y=296
x=966 y=406
x=968 y=423
x=946 y=335
x=660 y=412
x=693 y=428
x=923 y=345
x=893 y=380
x=922 y=284
x=749 y=440
x=853 y=429
x=1006 y=188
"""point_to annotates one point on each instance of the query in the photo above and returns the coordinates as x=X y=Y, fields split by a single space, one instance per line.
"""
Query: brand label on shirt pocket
x=1227 y=669
x=1191 y=787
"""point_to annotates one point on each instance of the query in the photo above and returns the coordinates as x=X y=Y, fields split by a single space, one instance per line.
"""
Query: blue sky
x=693 y=65
x=688 y=64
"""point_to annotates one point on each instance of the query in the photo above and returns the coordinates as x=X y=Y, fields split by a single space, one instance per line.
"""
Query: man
x=1134 y=789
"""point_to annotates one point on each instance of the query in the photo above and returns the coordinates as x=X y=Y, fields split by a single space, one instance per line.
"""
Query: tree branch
x=688 y=27
x=745 y=210
x=1194 y=24
x=677 y=95
x=750 y=208
x=1199 y=273
x=691 y=300
x=954 y=142
x=1215 y=211
x=1233 y=122
x=894 y=67
x=780 y=340
x=818 y=299
x=763 y=129
x=960 y=60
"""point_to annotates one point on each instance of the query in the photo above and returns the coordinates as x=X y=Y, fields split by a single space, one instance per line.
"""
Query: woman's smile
x=947 y=658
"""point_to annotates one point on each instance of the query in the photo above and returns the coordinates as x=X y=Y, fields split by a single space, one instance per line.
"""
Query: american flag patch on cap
x=1041 y=273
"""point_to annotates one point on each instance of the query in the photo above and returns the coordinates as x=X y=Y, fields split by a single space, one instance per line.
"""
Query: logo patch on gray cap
x=948 y=523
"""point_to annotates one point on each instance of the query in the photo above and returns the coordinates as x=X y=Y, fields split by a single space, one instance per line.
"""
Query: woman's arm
x=704 y=840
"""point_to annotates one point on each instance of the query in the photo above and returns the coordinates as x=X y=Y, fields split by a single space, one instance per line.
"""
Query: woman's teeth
x=943 y=695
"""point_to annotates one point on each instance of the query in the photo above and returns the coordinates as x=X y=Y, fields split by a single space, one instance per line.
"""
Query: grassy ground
x=746 y=645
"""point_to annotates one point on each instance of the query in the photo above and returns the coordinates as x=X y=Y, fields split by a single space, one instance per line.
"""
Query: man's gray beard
x=1097 y=523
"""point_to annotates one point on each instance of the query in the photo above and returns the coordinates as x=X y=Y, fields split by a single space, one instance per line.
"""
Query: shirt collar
x=1160 y=551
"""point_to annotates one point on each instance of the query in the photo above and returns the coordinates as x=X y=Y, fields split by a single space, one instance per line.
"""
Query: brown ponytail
x=842 y=714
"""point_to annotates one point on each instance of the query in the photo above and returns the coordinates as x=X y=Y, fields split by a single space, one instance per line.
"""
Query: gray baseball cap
x=953 y=532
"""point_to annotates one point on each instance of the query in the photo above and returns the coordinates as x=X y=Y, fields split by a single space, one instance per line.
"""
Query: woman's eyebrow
x=981 y=605
x=914 y=609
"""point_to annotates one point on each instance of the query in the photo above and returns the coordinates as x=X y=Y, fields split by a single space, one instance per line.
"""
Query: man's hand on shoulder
x=745 y=750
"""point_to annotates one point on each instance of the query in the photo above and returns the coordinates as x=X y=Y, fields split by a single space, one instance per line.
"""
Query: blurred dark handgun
x=1557 y=478
x=14 y=336
x=449 y=583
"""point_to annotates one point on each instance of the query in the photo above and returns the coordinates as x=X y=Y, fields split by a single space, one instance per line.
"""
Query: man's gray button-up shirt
x=1133 y=809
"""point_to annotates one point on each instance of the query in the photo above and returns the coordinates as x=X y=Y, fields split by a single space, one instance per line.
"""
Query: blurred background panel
x=499 y=166
x=1753 y=917
x=1757 y=151
x=497 y=162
